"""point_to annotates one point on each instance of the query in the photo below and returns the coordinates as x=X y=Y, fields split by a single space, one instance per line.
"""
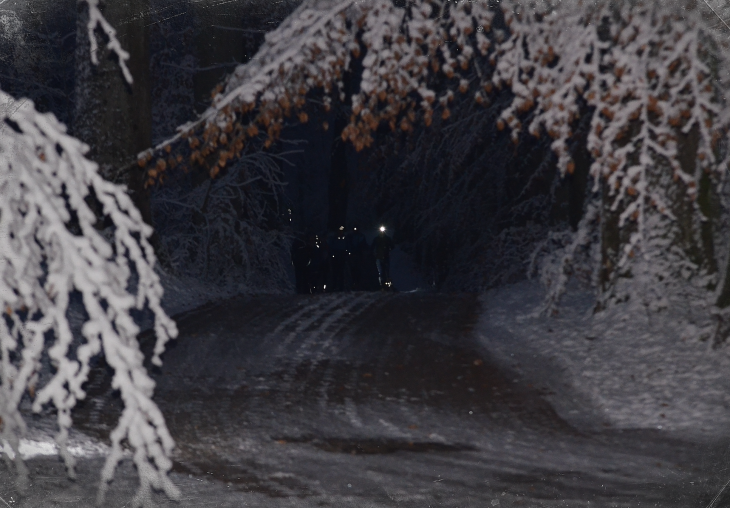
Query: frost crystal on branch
x=49 y=249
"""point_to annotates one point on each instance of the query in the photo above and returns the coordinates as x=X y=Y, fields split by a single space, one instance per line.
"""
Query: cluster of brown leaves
x=402 y=50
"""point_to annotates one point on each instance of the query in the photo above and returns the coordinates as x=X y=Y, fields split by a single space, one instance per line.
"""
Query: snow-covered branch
x=642 y=70
x=400 y=50
x=650 y=76
x=97 y=20
x=50 y=249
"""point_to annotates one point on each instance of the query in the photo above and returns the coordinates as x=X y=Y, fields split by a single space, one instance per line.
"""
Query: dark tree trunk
x=571 y=194
x=701 y=248
x=338 y=181
x=611 y=237
x=579 y=179
x=111 y=116
x=219 y=46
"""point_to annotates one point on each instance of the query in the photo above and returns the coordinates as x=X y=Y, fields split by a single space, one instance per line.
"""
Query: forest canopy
x=631 y=95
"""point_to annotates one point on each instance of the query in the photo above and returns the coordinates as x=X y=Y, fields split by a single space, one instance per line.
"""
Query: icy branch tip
x=96 y=18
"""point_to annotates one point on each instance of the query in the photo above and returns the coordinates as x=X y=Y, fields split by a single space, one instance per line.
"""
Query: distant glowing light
x=382 y=229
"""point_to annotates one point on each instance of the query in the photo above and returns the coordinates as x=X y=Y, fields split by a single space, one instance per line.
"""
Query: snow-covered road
x=375 y=400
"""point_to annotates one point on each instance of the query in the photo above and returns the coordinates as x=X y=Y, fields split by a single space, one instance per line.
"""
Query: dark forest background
x=466 y=206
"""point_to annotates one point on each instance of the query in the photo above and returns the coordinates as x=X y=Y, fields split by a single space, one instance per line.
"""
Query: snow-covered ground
x=309 y=378
x=621 y=367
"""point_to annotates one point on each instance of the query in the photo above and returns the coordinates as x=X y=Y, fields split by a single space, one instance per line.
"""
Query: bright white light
x=382 y=229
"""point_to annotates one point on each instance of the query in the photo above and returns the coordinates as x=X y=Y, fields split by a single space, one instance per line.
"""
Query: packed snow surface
x=382 y=399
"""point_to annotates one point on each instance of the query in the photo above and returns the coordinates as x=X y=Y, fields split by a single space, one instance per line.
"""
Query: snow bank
x=621 y=368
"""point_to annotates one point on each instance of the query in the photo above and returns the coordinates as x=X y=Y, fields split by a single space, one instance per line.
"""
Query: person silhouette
x=382 y=245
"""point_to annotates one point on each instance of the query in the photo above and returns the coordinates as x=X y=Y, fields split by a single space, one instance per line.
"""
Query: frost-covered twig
x=555 y=277
x=97 y=20
x=717 y=14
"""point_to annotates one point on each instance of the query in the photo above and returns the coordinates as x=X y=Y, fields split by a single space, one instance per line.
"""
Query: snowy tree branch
x=97 y=20
x=51 y=249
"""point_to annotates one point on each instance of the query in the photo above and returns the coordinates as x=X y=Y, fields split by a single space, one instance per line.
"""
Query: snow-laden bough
x=49 y=250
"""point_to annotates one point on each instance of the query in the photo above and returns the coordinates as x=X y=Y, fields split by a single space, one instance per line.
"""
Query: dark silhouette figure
x=317 y=265
x=382 y=245
x=301 y=259
x=338 y=258
x=357 y=246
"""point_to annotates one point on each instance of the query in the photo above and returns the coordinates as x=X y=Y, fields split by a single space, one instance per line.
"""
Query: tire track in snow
x=329 y=327
x=352 y=413
x=320 y=325
x=316 y=311
x=341 y=320
x=351 y=407
x=303 y=319
x=304 y=308
x=323 y=400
